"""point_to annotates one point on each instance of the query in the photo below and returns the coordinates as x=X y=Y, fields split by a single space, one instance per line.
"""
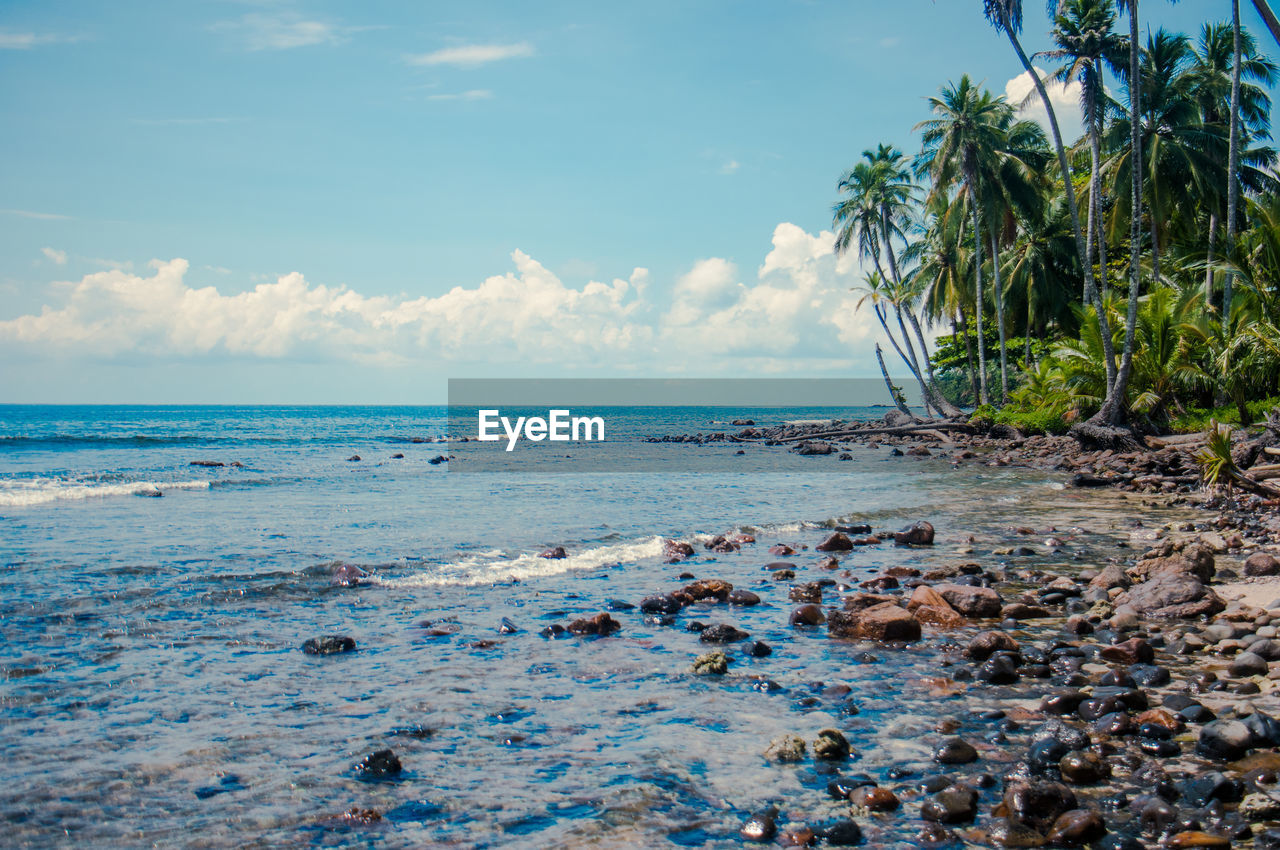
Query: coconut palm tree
x=960 y=144
x=1006 y=17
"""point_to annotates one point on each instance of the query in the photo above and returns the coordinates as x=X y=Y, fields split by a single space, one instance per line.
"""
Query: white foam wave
x=486 y=569
x=41 y=491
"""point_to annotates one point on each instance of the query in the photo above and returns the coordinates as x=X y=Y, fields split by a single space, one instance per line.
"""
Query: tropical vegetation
x=1125 y=279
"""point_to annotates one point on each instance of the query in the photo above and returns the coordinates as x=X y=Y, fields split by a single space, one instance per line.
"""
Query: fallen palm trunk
x=915 y=430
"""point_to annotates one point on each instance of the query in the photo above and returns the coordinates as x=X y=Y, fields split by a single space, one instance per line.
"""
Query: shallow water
x=154 y=692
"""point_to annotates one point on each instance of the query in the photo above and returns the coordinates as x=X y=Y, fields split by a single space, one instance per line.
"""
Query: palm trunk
x=1068 y=190
x=1208 y=270
x=1026 y=351
x=1095 y=199
x=977 y=290
x=915 y=372
x=999 y=293
x=1113 y=409
x=1268 y=18
x=1233 y=158
x=1155 y=252
x=968 y=345
x=893 y=393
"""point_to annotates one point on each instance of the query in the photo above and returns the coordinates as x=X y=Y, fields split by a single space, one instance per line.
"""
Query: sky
x=282 y=201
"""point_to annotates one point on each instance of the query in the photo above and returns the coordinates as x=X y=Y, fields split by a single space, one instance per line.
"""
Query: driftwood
x=902 y=430
x=1092 y=436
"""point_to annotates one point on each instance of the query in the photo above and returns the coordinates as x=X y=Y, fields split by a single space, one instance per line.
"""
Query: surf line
x=559 y=426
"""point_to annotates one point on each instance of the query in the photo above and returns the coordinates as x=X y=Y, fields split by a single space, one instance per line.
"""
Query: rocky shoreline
x=1154 y=717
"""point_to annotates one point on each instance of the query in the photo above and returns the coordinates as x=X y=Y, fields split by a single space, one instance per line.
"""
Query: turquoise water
x=154 y=692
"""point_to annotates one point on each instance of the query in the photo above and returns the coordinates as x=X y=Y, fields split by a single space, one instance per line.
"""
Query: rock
x=676 y=550
x=665 y=604
x=758 y=649
x=1261 y=564
x=987 y=643
x=955 y=751
x=808 y=615
x=380 y=765
x=1038 y=803
x=1227 y=740
x=744 y=598
x=919 y=534
x=999 y=669
x=212 y=464
x=828 y=562
x=1019 y=611
x=1247 y=664
x=1009 y=833
x=437 y=460
x=807 y=592
x=885 y=621
x=761 y=827
x=554 y=553
x=1131 y=651
x=1083 y=768
x=721 y=544
x=874 y=798
x=723 y=633
x=1181 y=558
x=712 y=664
x=708 y=588
x=830 y=745
x=353 y=459
x=971 y=601
x=813 y=447
x=836 y=542
x=347 y=575
x=953 y=804
x=1171 y=597
x=329 y=645
x=1260 y=806
x=600 y=624
x=842 y=833
x=506 y=627
x=1077 y=827
x=786 y=748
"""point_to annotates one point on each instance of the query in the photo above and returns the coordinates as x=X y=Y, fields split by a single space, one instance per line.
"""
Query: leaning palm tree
x=959 y=144
x=1006 y=17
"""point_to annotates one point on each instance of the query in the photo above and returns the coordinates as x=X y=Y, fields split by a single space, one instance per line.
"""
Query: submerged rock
x=786 y=748
x=329 y=645
x=955 y=751
x=953 y=804
x=885 y=621
x=380 y=765
x=836 y=542
x=712 y=664
x=722 y=633
x=600 y=624
x=919 y=534
x=830 y=745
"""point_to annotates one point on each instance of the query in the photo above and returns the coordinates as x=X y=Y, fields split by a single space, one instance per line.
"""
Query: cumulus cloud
x=57 y=257
x=472 y=55
x=11 y=40
x=1021 y=94
x=795 y=312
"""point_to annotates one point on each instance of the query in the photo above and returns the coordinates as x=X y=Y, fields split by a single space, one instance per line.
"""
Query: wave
x=490 y=567
x=18 y=440
x=42 y=491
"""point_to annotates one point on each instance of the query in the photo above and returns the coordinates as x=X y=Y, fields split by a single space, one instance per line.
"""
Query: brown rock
x=971 y=601
x=985 y=644
x=808 y=615
x=600 y=624
x=1131 y=651
x=828 y=563
x=1077 y=827
x=808 y=592
x=885 y=621
x=879 y=584
x=1261 y=564
x=836 y=542
x=1197 y=839
x=1019 y=611
x=708 y=588
x=874 y=798
x=781 y=549
x=676 y=550
x=1171 y=596
x=919 y=534
x=859 y=601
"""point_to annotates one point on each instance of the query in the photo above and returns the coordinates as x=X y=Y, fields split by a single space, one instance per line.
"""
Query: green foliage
x=1193 y=420
x=1215 y=458
x=1027 y=421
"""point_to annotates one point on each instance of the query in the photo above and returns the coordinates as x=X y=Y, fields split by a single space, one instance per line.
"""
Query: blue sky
x=335 y=194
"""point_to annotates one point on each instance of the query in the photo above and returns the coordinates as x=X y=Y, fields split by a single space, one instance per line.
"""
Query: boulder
x=676 y=550
x=885 y=621
x=1038 y=803
x=1171 y=596
x=722 y=633
x=786 y=748
x=712 y=664
x=709 y=589
x=1175 y=558
x=329 y=645
x=380 y=765
x=918 y=534
x=1261 y=564
x=808 y=615
x=555 y=553
x=985 y=644
x=971 y=601
x=600 y=624
x=836 y=542
x=347 y=575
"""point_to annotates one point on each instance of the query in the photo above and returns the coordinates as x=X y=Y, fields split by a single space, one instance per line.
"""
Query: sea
x=163 y=566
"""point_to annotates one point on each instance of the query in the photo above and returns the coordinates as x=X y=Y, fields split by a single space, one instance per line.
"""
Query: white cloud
x=890 y=41
x=281 y=31
x=1021 y=94
x=472 y=55
x=39 y=216
x=472 y=94
x=57 y=257
x=796 y=312
x=10 y=40
x=730 y=167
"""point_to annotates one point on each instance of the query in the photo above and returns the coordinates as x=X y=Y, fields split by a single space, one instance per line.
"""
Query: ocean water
x=153 y=691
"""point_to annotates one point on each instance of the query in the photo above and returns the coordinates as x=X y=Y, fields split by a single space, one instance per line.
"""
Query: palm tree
x=877 y=210
x=959 y=145
x=1233 y=155
x=1083 y=32
x=1006 y=17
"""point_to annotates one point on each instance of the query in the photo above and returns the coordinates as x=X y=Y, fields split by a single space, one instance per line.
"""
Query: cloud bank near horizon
x=795 y=314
